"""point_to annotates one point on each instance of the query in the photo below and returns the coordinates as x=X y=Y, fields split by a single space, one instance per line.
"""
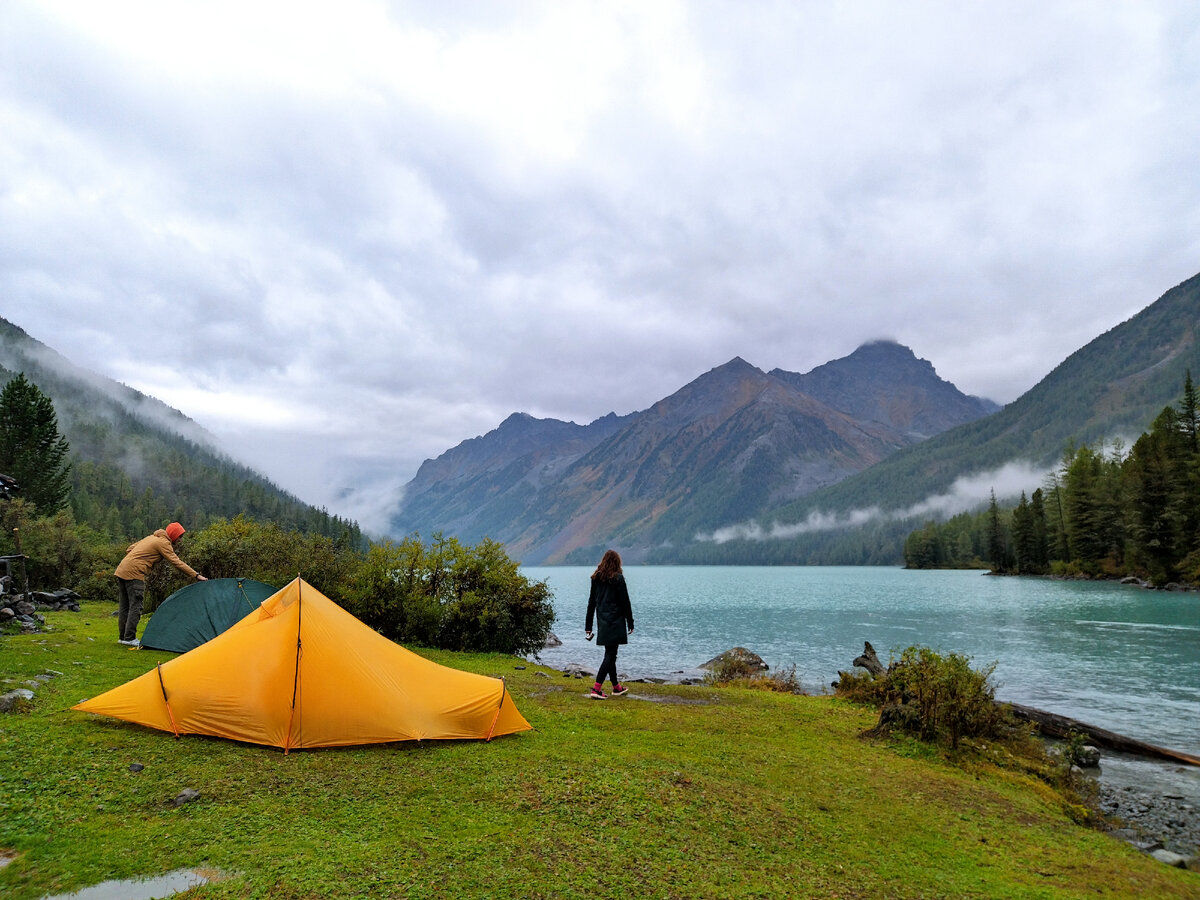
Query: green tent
x=202 y=610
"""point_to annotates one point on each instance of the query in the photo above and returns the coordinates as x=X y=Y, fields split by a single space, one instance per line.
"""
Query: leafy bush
x=451 y=596
x=1075 y=750
x=388 y=592
x=939 y=699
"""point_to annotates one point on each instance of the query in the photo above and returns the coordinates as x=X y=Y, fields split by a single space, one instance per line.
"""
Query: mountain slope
x=718 y=448
x=501 y=472
x=726 y=446
x=136 y=462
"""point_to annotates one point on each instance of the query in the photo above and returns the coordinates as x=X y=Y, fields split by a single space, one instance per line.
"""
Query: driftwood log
x=1058 y=726
x=1054 y=725
x=869 y=660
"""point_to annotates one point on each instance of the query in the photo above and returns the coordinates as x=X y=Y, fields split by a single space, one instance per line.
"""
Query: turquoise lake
x=1119 y=657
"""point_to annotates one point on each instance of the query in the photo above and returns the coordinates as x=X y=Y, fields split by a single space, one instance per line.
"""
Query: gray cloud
x=346 y=243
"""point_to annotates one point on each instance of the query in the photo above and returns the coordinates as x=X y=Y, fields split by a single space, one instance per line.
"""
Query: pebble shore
x=1170 y=820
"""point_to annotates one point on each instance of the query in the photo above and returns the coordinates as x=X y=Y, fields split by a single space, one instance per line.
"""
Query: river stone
x=552 y=640
x=1089 y=756
x=187 y=795
x=1171 y=859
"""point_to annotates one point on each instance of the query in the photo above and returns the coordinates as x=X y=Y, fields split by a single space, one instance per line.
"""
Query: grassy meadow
x=669 y=792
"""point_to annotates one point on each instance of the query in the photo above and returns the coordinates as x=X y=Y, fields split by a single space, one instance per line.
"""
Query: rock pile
x=56 y=601
x=22 y=608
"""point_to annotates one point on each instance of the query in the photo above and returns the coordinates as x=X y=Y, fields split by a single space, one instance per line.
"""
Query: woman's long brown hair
x=609 y=568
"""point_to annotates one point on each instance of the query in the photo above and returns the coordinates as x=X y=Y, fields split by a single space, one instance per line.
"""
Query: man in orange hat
x=131 y=577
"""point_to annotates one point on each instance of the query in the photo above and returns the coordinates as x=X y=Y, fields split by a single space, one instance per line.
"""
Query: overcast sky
x=346 y=236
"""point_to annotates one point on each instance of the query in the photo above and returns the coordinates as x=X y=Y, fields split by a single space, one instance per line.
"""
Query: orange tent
x=300 y=671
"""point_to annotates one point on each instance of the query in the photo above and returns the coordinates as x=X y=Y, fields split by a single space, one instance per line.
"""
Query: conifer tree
x=31 y=449
x=1157 y=496
x=997 y=539
x=1041 y=540
x=1189 y=414
x=1023 y=537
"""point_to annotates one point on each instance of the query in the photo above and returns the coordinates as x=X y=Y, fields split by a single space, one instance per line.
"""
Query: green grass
x=671 y=792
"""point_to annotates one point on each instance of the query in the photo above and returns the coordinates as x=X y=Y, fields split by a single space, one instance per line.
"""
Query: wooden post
x=21 y=556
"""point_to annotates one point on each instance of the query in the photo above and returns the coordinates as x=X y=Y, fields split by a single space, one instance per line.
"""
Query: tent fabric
x=301 y=672
x=199 y=612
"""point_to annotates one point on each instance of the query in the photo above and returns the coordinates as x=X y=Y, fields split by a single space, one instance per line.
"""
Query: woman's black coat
x=609 y=601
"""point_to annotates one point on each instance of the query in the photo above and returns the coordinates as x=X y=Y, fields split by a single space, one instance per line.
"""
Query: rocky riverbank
x=1152 y=821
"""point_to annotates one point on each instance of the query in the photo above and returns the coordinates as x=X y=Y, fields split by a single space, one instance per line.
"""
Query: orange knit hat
x=175 y=531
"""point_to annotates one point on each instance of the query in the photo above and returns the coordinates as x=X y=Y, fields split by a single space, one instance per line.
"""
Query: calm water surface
x=1115 y=656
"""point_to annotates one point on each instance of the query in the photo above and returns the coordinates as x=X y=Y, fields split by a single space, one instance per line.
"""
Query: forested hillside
x=1103 y=512
x=137 y=463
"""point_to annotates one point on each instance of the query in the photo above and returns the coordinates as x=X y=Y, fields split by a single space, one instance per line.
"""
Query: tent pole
x=496 y=718
x=170 y=715
x=287 y=745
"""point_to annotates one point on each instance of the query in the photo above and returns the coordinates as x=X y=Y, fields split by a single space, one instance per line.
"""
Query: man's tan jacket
x=142 y=555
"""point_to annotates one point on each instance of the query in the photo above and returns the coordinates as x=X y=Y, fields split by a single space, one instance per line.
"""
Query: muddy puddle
x=148 y=888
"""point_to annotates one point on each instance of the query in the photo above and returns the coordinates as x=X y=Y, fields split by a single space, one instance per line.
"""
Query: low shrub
x=939 y=699
x=735 y=672
x=730 y=668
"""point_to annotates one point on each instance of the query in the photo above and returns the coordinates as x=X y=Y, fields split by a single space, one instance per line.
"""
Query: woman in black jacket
x=609 y=602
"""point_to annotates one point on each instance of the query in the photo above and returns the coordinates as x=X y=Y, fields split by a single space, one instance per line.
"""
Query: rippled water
x=1114 y=656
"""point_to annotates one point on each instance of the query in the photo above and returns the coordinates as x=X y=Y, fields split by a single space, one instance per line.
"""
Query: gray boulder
x=13 y=699
x=737 y=656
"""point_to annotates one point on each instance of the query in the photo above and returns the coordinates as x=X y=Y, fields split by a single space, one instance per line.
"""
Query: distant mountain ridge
x=729 y=445
x=918 y=402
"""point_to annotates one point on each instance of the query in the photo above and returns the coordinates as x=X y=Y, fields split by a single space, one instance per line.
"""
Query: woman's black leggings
x=609 y=666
